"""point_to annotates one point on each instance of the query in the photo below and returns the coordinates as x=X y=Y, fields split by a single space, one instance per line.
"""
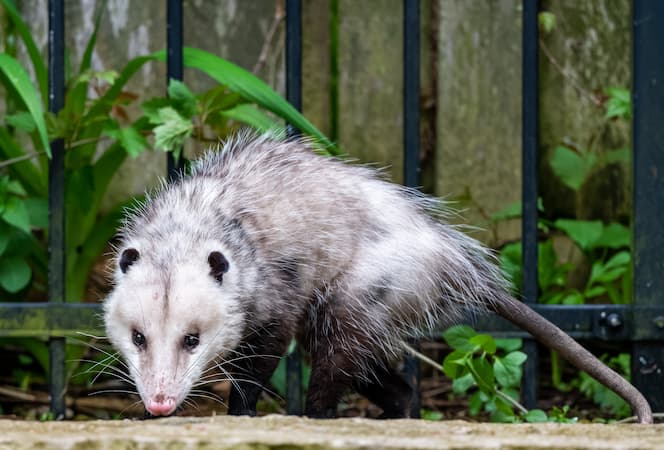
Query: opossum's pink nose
x=160 y=406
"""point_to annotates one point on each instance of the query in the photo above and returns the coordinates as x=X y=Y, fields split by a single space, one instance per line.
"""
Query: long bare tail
x=553 y=337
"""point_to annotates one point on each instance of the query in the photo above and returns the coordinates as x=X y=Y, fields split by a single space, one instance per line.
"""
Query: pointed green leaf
x=130 y=138
x=182 y=99
x=38 y=63
x=585 y=233
x=485 y=342
x=458 y=337
x=252 y=116
x=15 y=274
x=18 y=80
x=483 y=374
x=614 y=235
x=509 y=344
x=536 y=416
x=462 y=384
x=569 y=166
x=15 y=213
x=172 y=131
x=21 y=121
x=454 y=364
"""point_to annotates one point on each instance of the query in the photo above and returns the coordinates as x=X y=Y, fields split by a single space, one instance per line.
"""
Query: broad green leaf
x=458 y=337
x=151 y=108
x=252 y=116
x=475 y=403
x=509 y=344
x=37 y=211
x=250 y=87
x=454 y=364
x=623 y=155
x=569 y=166
x=508 y=368
x=18 y=80
x=15 y=213
x=619 y=259
x=483 y=374
x=511 y=211
x=594 y=291
x=15 y=274
x=546 y=21
x=462 y=384
x=182 y=99
x=619 y=103
x=172 y=131
x=585 y=233
x=614 y=235
x=536 y=416
x=485 y=342
x=21 y=121
x=4 y=237
x=573 y=298
x=131 y=139
x=38 y=63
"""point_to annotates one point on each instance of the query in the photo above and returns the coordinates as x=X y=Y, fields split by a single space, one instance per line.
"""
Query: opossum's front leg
x=260 y=356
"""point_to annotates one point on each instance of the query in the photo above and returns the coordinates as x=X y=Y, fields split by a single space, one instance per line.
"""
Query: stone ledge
x=282 y=432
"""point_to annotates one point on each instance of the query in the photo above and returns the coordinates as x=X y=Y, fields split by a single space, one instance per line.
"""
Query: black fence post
x=56 y=202
x=411 y=143
x=648 y=237
x=174 y=67
x=530 y=140
x=294 y=399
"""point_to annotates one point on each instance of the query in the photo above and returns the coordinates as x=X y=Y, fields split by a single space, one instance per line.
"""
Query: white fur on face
x=164 y=306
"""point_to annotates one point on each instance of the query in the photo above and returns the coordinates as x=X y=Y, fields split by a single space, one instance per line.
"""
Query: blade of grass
x=35 y=56
x=17 y=80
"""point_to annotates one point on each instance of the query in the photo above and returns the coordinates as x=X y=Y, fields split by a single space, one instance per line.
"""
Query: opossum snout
x=160 y=405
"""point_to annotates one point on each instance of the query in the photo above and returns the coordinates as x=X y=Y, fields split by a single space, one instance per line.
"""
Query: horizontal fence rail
x=641 y=324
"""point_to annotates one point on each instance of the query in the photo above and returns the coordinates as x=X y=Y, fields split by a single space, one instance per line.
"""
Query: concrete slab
x=282 y=432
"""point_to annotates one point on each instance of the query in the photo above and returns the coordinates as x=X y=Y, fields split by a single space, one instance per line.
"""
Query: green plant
x=99 y=134
x=606 y=248
x=492 y=370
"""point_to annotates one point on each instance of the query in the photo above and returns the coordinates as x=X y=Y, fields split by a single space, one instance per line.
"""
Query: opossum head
x=172 y=318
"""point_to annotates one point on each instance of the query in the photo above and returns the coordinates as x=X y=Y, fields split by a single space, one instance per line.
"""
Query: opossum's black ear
x=218 y=265
x=128 y=257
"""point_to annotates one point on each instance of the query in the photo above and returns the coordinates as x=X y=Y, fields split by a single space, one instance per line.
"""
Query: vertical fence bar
x=174 y=66
x=530 y=139
x=56 y=201
x=294 y=96
x=411 y=141
x=648 y=238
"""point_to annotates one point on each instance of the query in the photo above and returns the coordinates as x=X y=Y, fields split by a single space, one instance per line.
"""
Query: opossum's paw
x=242 y=412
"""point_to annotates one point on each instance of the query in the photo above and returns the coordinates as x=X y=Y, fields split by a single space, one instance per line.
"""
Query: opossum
x=266 y=241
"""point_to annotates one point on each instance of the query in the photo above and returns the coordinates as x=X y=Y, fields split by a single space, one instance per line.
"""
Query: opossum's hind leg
x=251 y=371
x=387 y=389
x=338 y=349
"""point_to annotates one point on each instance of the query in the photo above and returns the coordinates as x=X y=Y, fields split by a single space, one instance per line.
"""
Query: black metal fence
x=639 y=325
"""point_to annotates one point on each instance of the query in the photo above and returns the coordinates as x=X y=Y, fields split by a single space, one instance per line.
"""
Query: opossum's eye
x=191 y=341
x=138 y=338
x=128 y=257
x=218 y=265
